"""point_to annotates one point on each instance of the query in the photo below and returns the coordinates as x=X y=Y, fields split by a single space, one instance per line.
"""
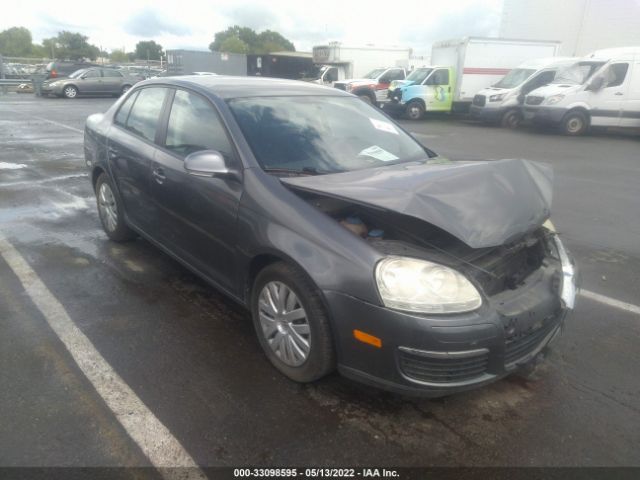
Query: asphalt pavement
x=191 y=358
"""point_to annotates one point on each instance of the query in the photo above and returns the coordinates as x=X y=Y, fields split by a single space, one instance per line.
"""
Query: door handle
x=618 y=93
x=158 y=174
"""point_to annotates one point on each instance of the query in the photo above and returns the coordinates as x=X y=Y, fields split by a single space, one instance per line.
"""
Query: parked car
x=502 y=102
x=57 y=69
x=600 y=90
x=372 y=87
x=90 y=81
x=352 y=245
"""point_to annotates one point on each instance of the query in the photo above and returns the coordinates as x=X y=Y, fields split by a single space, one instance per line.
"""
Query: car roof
x=237 y=87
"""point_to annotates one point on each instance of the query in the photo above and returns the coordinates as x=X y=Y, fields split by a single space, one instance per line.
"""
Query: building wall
x=183 y=62
x=581 y=25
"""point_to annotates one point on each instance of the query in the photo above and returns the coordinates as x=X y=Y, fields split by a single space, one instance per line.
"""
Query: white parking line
x=612 y=302
x=73 y=129
x=154 y=439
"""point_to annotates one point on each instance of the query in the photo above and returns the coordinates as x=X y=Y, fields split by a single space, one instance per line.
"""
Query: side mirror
x=596 y=84
x=207 y=163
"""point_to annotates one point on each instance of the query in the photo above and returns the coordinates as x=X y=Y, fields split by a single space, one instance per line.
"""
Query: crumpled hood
x=400 y=83
x=484 y=204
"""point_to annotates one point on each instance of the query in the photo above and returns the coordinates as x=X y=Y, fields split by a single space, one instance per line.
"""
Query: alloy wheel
x=107 y=207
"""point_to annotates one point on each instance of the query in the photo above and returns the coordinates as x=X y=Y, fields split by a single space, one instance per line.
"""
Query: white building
x=581 y=25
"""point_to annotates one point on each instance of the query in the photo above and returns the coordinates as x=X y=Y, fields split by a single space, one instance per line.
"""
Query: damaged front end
x=488 y=221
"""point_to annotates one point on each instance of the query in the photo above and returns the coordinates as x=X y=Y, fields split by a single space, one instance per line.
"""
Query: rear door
x=631 y=102
x=606 y=103
x=197 y=215
x=131 y=150
x=111 y=81
x=385 y=80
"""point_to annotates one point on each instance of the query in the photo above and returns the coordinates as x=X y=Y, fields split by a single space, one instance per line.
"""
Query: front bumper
x=439 y=355
x=49 y=90
x=487 y=114
x=544 y=115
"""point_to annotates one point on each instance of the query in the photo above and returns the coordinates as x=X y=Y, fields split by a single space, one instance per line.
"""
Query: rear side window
x=145 y=114
x=111 y=73
x=194 y=125
x=395 y=75
x=92 y=74
x=123 y=113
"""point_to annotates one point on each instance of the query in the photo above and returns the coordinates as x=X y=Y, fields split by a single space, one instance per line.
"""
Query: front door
x=439 y=94
x=197 y=215
x=631 y=102
x=91 y=81
x=606 y=103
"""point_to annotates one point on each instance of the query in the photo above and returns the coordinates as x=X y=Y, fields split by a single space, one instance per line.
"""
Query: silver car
x=90 y=81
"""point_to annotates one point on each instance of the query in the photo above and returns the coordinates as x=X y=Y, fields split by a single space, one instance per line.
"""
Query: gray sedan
x=352 y=246
x=90 y=81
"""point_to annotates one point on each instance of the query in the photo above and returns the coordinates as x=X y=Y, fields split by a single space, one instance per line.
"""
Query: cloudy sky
x=192 y=23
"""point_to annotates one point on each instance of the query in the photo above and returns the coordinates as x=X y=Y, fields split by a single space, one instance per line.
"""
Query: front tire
x=110 y=211
x=511 y=119
x=575 y=123
x=366 y=98
x=70 y=91
x=291 y=323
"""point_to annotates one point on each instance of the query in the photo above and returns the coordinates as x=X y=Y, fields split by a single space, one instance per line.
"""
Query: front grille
x=442 y=370
x=533 y=100
x=520 y=345
x=395 y=94
x=479 y=100
x=340 y=86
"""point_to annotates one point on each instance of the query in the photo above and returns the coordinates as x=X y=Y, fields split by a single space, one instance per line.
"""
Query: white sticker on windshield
x=384 y=126
x=378 y=153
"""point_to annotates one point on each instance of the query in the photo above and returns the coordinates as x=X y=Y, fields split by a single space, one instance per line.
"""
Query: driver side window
x=615 y=74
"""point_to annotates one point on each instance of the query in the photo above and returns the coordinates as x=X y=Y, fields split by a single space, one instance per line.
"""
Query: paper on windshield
x=378 y=153
x=384 y=126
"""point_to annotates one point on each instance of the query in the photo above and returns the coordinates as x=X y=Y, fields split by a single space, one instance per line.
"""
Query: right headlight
x=553 y=99
x=421 y=286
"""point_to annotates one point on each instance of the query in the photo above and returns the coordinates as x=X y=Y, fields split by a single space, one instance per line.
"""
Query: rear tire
x=415 y=110
x=511 y=119
x=110 y=211
x=575 y=123
x=272 y=327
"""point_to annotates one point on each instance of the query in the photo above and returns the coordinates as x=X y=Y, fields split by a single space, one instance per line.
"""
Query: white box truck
x=600 y=90
x=459 y=69
x=367 y=70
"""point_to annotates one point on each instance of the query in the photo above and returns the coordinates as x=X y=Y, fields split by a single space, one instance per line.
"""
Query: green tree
x=234 y=45
x=148 y=49
x=119 y=56
x=231 y=40
x=16 y=42
x=70 y=45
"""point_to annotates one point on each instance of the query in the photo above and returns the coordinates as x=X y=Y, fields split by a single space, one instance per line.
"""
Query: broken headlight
x=420 y=286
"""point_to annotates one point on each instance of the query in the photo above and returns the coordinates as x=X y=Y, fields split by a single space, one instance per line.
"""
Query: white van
x=600 y=90
x=503 y=101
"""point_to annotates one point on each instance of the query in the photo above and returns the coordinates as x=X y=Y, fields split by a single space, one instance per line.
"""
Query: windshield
x=375 y=73
x=78 y=73
x=577 y=73
x=515 y=77
x=419 y=74
x=318 y=134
